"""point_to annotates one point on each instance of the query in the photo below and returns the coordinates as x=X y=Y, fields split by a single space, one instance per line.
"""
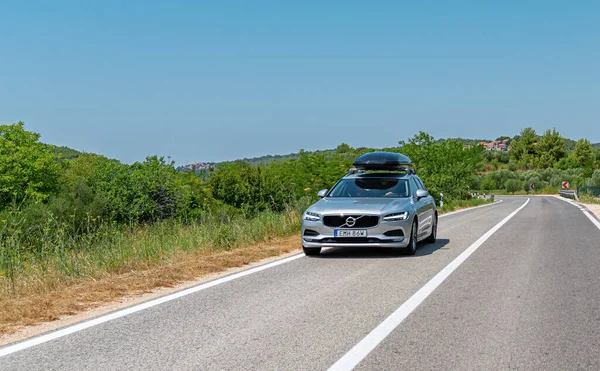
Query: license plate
x=350 y=233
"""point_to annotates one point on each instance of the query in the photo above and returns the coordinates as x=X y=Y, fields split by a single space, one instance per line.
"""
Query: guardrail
x=569 y=194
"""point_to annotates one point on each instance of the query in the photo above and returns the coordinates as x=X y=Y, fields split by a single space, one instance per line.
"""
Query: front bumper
x=320 y=235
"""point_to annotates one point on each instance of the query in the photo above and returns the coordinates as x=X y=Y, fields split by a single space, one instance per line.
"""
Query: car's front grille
x=360 y=221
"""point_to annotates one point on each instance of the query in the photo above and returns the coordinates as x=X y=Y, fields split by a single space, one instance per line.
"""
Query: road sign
x=565 y=185
x=531 y=186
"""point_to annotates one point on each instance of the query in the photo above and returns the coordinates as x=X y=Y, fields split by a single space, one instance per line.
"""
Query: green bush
x=595 y=180
x=29 y=171
x=488 y=184
x=445 y=166
x=512 y=185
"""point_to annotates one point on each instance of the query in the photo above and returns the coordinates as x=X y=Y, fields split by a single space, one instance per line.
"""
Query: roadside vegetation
x=544 y=161
x=68 y=217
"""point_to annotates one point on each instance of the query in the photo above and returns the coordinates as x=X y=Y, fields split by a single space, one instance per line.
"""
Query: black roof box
x=382 y=161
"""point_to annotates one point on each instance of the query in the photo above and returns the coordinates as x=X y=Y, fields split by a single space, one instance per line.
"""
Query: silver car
x=372 y=208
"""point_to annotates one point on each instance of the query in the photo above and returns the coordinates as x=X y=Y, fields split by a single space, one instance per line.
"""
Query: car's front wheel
x=412 y=245
x=311 y=250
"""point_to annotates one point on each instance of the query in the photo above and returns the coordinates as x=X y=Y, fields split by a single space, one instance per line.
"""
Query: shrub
x=28 y=169
x=596 y=178
x=488 y=184
x=512 y=185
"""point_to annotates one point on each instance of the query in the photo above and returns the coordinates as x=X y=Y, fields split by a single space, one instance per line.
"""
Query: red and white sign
x=531 y=186
x=565 y=185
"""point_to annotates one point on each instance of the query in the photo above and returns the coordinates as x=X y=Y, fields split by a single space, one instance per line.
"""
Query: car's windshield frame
x=335 y=191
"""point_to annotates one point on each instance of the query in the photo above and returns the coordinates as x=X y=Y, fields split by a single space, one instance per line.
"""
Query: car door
x=429 y=203
x=421 y=208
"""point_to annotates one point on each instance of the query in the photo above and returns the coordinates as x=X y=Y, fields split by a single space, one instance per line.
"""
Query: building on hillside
x=497 y=145
x=199 y=166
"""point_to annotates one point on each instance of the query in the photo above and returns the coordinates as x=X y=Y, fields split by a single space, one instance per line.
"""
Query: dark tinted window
x=370 y=187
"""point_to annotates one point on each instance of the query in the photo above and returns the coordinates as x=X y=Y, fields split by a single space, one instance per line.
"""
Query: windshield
x=370 y=187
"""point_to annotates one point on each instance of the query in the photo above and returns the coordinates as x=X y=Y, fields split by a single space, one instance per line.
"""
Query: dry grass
x=49 y=305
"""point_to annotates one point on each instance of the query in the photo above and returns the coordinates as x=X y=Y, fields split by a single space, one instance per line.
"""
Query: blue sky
x=221 y=80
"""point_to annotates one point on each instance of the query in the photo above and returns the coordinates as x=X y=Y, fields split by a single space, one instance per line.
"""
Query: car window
x=370 y=187
x=420 y=183
x=413 y=186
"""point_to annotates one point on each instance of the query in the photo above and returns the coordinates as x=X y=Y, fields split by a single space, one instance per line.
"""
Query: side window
x=413 y=186
x=420 y=183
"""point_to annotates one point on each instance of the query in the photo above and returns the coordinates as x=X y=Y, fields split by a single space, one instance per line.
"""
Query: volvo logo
x=350 y=222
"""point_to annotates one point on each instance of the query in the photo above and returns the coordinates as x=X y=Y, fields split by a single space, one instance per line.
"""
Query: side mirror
x=322 y=193
x=421 y=193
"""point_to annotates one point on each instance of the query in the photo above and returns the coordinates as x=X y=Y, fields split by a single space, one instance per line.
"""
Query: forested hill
x=66 y=153
x=270 y=158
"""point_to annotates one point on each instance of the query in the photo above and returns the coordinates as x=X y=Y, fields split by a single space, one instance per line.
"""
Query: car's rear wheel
x=311 y=250
x=433 y=236
x=412 y=245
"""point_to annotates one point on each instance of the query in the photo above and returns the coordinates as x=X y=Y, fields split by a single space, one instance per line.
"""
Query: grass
x=57 y=256
x=65 y=275
x=585 y=198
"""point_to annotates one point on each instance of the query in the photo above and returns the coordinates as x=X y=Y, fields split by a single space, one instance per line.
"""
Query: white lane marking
x=470 y=208
x=9 y=349
x=136 y=308
x=366 y=345
x=583 y=210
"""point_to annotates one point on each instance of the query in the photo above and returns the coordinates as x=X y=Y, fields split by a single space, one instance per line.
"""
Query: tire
x=411 y=249
x=433 y=236
x=311 y=251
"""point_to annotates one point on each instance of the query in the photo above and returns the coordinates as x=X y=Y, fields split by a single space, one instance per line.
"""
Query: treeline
x=38 y=181
x=544 y=160
x=529 y=151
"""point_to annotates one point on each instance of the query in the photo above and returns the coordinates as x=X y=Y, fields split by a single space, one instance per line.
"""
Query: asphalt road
x=528 y=298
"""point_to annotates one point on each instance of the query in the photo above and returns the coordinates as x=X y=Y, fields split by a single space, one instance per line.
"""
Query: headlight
x=313 y=217
x=396 y=217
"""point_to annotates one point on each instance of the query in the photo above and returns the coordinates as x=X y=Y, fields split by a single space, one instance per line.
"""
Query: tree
x=446 y=167
x=488 y=184
x=595 y=181
x=343 y=148
x=524 y=148
x=28 y=169
x=550 y=149
x=512 y=185
x=568 y=162
x=584 y=153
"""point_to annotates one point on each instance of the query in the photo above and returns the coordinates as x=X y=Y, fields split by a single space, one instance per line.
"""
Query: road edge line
x=470 y=208
x=583 y=210
x=361 y=350
x=16 y=347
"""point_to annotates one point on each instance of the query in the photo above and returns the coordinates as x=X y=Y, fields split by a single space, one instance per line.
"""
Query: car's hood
x=360 y=205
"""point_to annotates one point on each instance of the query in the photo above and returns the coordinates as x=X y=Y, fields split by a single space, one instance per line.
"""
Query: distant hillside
x=271 y=158
x=569 y=146
x=471 y=142
x=66 y=153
